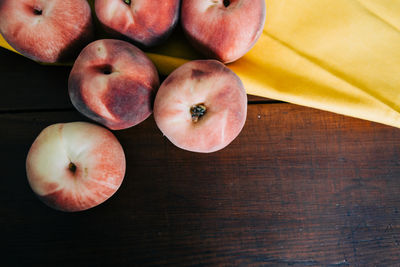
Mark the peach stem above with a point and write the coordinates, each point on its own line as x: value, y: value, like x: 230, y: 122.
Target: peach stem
x: 72, y: 167
x: 197, y: 111
x: 37, y: 11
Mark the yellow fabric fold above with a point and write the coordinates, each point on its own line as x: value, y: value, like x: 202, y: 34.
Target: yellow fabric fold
x: 341, y: 56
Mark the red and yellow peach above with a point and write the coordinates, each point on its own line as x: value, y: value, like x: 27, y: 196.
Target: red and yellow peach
x: 47, y: 31
x: 114, y: 83
x: 223, y: 29
x: 146, y: 22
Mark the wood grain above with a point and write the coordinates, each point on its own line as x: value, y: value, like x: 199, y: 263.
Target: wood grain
x: 29, y: 86
x: 298, y: 187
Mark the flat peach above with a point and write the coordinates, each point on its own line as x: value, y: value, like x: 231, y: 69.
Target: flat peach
x: 75, y: 166
x: 47, y: 31
x: 146, y: 22
x: 114, y: 83
x: 201, y: 106
x: 223, y: 29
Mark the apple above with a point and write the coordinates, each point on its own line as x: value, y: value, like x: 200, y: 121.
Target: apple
x: 146, y: 22
x: 201, y: 106
x: 46, y: 31
x: 114, y: 83
x: 223, y: 29
x: 75, y: 166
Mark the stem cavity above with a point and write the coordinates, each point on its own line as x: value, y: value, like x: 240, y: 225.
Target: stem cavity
x: 227, y: 3
x: 37, y: 11
x: 105, y: 69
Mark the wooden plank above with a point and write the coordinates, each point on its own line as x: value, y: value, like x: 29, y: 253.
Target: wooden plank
x: 253, y: 99
x: 298, y: 187
x: 26, y: 85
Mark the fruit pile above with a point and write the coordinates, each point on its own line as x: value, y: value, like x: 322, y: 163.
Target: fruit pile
x: 200, y: 107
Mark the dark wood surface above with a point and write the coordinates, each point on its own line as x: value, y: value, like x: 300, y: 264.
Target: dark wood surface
x: 298, y: 187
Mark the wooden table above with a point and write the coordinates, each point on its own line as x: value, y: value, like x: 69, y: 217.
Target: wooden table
x: 298, y: 187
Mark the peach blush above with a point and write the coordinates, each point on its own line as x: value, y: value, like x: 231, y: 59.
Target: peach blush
x: 75, y: 166
x: 201, y: 106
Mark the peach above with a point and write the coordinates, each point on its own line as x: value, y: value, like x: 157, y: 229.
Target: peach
x: 114, y: 83
x: 47, y: 31
x: 201, y: 106
x: 223, y: 29
x: 146, y: 22
x: 75, y: 166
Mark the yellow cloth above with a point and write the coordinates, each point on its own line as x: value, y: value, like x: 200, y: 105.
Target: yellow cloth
x: 341, y: 56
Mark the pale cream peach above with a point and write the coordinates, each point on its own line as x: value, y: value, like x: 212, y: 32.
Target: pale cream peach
x: 75, y: 166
